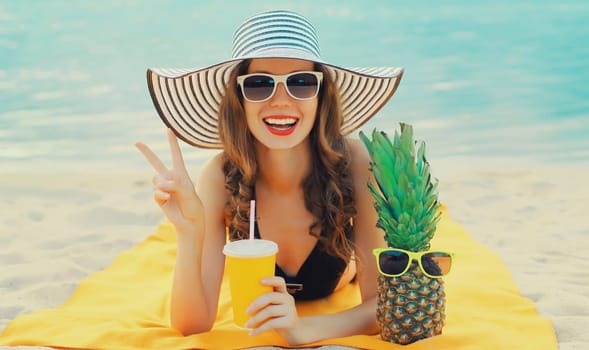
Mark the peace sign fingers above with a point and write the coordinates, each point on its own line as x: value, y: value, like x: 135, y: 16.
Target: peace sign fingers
x: 151, y: 157
x: 174, y: 191
x: 177, y: 160
x: 155, y: 161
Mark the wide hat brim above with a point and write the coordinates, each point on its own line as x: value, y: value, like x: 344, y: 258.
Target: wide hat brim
x: 187, y: 100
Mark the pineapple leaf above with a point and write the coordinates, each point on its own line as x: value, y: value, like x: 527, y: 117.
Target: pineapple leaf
x: 406, y: 197
x: 367, y: 143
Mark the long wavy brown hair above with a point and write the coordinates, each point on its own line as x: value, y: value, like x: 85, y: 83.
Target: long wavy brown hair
x: 328, y: 188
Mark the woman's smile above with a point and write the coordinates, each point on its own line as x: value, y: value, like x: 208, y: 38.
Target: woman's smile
x: 281, y: 125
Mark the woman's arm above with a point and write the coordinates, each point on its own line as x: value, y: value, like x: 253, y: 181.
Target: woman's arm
x: 366, y: 235
x: 200, y: 261
x: 198, y: 219
x: 360, y: 319
x: 277, y: 310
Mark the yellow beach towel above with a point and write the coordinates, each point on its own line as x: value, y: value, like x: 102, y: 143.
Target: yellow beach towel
x: 126, y: 307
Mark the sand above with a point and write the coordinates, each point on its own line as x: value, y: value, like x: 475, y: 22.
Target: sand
x: 58, y: 226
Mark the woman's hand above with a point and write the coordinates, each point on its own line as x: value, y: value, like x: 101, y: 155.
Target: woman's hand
x: 174, y: 191
x: 275, y: 310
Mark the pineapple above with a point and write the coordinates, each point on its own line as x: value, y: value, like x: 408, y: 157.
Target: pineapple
x: 411, y: 306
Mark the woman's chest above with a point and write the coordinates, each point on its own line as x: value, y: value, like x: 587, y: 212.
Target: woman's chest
x: 287, y: 222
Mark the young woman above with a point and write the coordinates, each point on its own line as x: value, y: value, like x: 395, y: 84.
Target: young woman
x: 279, y: 113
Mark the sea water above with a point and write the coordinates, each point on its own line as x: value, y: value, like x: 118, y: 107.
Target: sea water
x: 496, y: 79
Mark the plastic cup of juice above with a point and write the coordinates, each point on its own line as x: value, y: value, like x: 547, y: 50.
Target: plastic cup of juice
x: 248, y: 261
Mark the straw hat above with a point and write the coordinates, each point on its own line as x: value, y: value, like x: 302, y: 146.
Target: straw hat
x: 188, y: 100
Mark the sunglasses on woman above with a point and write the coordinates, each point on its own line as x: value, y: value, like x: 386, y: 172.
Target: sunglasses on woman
x: 394, y: 262
x: 260, y: 87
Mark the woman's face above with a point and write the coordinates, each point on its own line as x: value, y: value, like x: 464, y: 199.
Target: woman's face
x: 281, y: 122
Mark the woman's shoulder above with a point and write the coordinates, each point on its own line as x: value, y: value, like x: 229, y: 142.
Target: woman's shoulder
x: 359, y: 157
x: 210, y: 187
x: 359, y: 164
x: 211, y: 172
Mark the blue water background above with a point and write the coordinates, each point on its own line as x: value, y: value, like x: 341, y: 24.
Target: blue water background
x: 482, y: 79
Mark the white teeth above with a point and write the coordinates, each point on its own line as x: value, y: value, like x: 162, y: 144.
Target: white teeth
x: 281, y: 121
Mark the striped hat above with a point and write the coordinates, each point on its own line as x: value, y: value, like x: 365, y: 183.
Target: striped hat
x: 188, y: 100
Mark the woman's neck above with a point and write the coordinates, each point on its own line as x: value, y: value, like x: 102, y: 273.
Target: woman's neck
x: 283, y: 171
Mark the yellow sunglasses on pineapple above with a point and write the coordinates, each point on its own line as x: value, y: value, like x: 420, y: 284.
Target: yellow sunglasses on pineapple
x: 393, y: 262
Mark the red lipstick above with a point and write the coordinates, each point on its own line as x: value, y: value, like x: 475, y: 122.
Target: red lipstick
x: 281, y: 125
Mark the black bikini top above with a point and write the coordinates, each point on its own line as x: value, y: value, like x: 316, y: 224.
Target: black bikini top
x: 319, y: 274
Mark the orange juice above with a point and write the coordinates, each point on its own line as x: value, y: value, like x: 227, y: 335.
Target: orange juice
x: 248, y: 262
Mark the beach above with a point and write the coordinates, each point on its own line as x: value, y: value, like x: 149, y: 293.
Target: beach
x: 531, y: 217
x: 498, y: 95
x: 63, y: 224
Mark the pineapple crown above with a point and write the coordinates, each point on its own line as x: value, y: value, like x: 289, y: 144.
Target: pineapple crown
x: 406, y: 199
